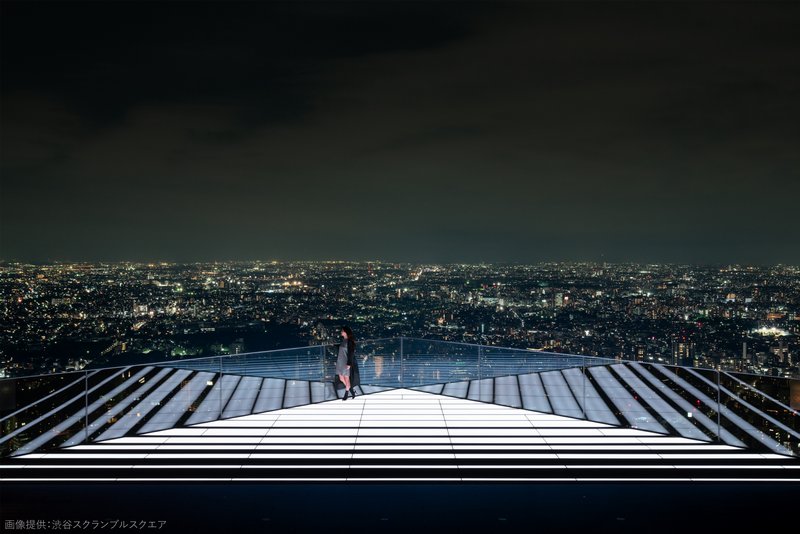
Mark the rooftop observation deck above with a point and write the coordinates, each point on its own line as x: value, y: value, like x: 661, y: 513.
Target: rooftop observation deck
x: 472, y: 436
x: 426, y: 410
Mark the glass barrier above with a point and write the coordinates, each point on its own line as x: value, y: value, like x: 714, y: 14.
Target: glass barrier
x: 47, y: 412
x: 42, y: 405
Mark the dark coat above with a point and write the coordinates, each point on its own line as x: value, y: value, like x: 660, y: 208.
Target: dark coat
x: 352, y: 361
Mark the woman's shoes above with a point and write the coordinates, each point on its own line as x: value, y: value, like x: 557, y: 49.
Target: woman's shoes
x: 349, y: 393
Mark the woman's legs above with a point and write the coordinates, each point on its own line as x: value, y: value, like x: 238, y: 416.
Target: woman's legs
x: 346, y: 381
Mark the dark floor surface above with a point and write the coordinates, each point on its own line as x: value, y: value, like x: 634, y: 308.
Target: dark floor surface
x: 350, y: 508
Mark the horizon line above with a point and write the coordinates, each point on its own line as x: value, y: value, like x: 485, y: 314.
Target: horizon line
x: 386, y: 261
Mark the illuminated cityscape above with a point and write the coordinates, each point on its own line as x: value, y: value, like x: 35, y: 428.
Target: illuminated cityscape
x: 563, y: 233
x: 70, y: 316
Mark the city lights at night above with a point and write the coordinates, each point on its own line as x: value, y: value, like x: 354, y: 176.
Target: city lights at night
x: 398, y: 266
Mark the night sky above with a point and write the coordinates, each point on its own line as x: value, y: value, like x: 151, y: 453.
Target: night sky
x: 401, y: 131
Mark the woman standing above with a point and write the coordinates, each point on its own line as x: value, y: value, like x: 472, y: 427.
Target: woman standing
x: 345, y: 362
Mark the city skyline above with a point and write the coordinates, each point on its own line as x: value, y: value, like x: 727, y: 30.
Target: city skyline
x: 70, y: 316
x: 439, y: 132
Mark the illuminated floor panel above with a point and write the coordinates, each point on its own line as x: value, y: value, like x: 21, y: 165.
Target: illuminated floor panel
x: 401, y: 435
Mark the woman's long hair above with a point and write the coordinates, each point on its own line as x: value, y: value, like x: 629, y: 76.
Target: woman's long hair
x: 351, y: 339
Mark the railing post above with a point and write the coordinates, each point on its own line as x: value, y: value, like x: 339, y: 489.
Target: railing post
x: 480, y: 357
x: 719, y: 407
x: 86, y: 406
x: 402, y: 364
x: 585, y: 378
x: 219, y: 388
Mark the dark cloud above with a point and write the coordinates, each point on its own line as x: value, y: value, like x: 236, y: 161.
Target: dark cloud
x: 419, y: 131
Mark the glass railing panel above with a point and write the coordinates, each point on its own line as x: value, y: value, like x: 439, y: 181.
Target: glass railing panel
x: 667, y: 408
x: 703, y: 395
x: 428, y: 361
x: 561, y: 398
x: 752, y: 415
x: 72, y: 423
x: 770, y: 394
x: 700, y: 392
x: 110, y: 401
x: 181, y: 397
x: 629, y: 405
x: 199, y: 398
x: 591, y: 400
x: 674, y: 404
x: 397, y: 362
x: 35, y: 406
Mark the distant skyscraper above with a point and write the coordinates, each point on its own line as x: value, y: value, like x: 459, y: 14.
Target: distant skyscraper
x: 682, y: 352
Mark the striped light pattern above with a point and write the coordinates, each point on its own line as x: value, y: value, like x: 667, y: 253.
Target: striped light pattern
x: 402, y: 435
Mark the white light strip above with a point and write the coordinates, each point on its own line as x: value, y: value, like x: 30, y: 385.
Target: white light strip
x: 732, y: 467
x: 101, y: 466
x: 238, y: 424
x: 400, y: 410
x: 327, y: 447
x: 300, y: 466
x: 521, y: 432
x: 570, y: 432
x: 87, y: 456
x: 360, y: 447
x: 400, y: 456
x: 401, y: 479
x: 596, y: 447
x: 101, y: 448
x: 620, y: 466
x: 410, y: 423
x: 266, y: 456
x: 503, y: 447
x: 393, y: 466
x: 520, y: 479
x: 283, y: 479
x: 68, y: 479
x: 590, y: 441
x: 600, y: 456
x: 196, y: 456
x: 216, y: 440
x: 242, y: 432
x: 500, y: 441
x: 467, y: 466
x: 402, y: 440
x: 409, y: 479
x: 265, y: 466
x: 734, y: 456
x: 174, y: 432
x: 140, y: 439
x: 403, y: 432
x: 732, y: 450
x: 172, y: 447
x: 325, y: 422
x: 745, y: 479
x: 314, y: 432
x: 404, y: 416
x: 502, y: 456
x: 669, y: 439
x: 292, y: 441
x: 489, y: 417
